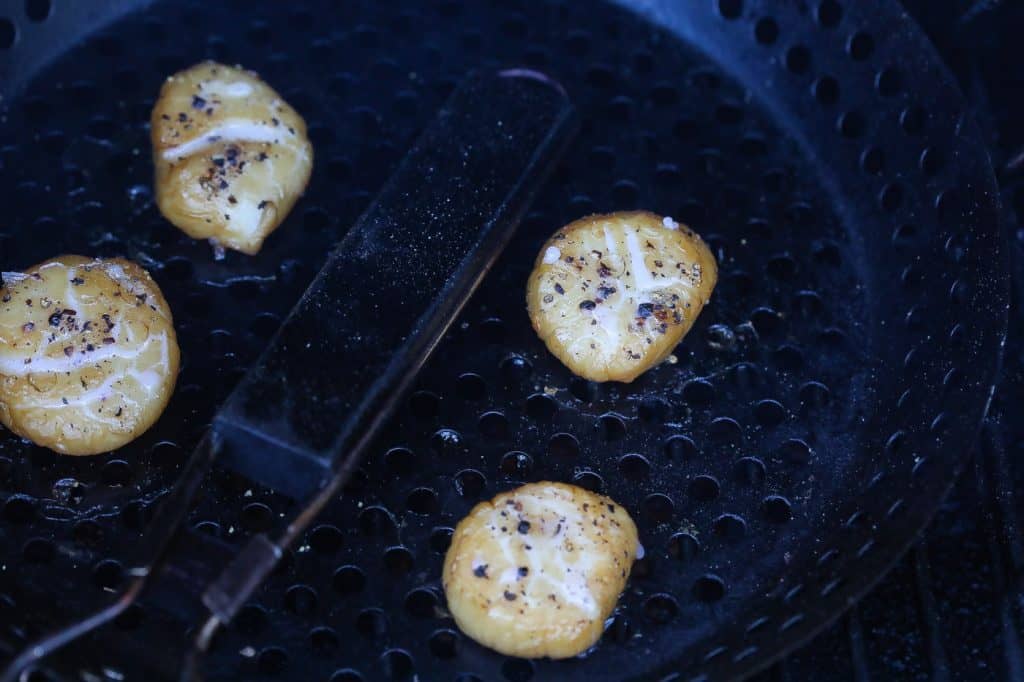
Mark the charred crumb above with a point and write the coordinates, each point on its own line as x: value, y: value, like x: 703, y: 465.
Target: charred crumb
x: 587, y: 305
x: 559, y: 289
x: 523, y: 571
x: 77, y: 281
x: 481, y: 571
x: 510, y: 596
x: 523, y: 527
x: 198, y: 102
x: 260, y: 206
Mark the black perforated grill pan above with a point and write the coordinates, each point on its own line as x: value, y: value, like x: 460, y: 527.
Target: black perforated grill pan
x: 796, y: 442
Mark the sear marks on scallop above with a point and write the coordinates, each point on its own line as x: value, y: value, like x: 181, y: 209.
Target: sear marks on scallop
x: 611, y: 295
x: 231, y: 156
x: 88, y: 353
x: 537, y: 570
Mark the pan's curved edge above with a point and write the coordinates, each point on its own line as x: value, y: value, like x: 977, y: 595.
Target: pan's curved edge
x: 902, y: 534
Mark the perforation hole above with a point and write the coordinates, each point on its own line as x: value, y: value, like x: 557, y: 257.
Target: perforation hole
x: 372, y: 624
x: 704, y: 488
x: 888, y: 82
x: 441, y: 539
x: 37, y: 10
x: 798, y: 59
x: 912, y: 119
x: 399, y: 461
x: 699, y: 392
x: 730, y: 527
x: 107, y: 574
x: 396, y: 664
x: 750, y: 471
x: 8, y: 33
x: 398, y: 560
x: 469, y: 483
x: 683, y: 546
x: 730, y: 9
x: 541, y: 407
x: 421, y: 603
x: 564, y: 446
x: 931, y: 161
x: 826, y: 90
x: 324, y: 641
x: 658, y: 508
x: 257, y: 517
x: 517, y: 670
x: 494, y: 425
x: 471, y: 386
x: 634, y: 467
x: 872, y: 160
x: 38, y: 551
x: 709, y: 588
x: 776, y: 509
x: 273, y: 661
x: 852, y: 124
x: 444, y: 643
x: 349, y: 580
x: 300, y: 600
x: 830, y: 13
x: 422, y: 501
x: 661, y: 608
x: 766, y: 31
x: 860, y: 46
x: 612, y: 426
x: 346, y: 675
x: 326, y: 539
x: 116, y: 473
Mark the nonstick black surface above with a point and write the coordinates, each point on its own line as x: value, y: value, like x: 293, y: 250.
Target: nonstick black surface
x: 808, y: 427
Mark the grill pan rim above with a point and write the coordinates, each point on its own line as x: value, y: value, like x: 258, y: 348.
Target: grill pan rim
x: 912, y: 33
x: 664, y: 14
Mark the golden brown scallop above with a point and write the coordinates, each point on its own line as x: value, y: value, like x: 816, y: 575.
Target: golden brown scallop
x: 231, y: 156
x: 88, y: 353
x: 537, y: 570
x: 612, y: 295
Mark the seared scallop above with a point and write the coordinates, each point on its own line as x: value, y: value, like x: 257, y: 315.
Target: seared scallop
x: 88, y: 354
x: 537, y: 570
x: 231, y: 156
x: 612, y: 295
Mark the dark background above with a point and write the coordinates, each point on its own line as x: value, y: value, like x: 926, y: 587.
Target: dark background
x: 953, y: 608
